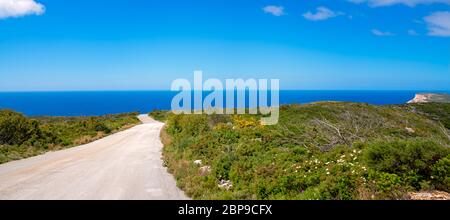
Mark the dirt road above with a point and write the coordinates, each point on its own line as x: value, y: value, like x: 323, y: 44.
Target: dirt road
x: 126, y: 165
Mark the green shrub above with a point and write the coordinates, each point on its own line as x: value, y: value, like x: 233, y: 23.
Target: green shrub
x: 159, y: 115
x: 191, y: 125
x: 387, y: 185
x: 15, y: 128
x: 402, y: 156
x: 99, y: 126
x: 413, y: 160
x: 441, y: 173
x: 223, y: 166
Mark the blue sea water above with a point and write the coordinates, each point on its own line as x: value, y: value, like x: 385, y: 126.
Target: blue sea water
x: 110, y: 102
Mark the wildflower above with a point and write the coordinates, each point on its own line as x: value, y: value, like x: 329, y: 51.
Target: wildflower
x: 328, y: 173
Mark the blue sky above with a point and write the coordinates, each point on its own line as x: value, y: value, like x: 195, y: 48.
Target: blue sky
x: 144, y: 45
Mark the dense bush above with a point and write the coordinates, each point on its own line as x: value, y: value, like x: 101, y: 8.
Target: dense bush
x: 15, y: 128
x: 441, y: 173
x: 159, y: 115
x: 413, y: 160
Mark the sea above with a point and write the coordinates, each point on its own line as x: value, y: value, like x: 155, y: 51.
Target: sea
x: 92, y: 103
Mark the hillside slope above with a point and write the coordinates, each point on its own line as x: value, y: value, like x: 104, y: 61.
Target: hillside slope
x: 327, y: 150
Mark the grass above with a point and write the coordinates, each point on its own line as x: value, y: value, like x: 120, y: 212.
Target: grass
x: 22, y: 137
x: 327, y: 150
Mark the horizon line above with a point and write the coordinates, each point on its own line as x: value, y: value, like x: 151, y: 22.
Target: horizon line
x: 168, y: 90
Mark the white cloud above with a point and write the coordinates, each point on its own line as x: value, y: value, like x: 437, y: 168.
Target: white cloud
x: 274, y: 10
x: 322, y: 13
x: 438, y: 24
x: 381, y: 33
x: 17, y: 8
x: 410, y: 3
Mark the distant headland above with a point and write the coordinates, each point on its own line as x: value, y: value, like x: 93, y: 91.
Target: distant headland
x: 431, y: 97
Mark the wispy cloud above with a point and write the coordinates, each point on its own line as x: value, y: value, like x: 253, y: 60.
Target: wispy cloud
x: 410, y: 3
x: 377, y: 32
x: 412, y: 32
x: 18, y: 8
x: 274, y: 10
x: 438, y: 24
x: 322, y: 13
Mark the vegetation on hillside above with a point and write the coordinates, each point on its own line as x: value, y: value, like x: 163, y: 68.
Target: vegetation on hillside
x: 327, y: 150
x: 159, y: 115
x: 436, y: 111
x: 22, y: 137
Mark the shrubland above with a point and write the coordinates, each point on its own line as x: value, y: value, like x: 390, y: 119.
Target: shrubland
x: 22, y: 137
x: 326, y: 150
x: 160, y: 115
